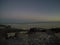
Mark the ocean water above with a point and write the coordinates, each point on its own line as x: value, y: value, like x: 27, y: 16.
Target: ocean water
x: 37, y: 25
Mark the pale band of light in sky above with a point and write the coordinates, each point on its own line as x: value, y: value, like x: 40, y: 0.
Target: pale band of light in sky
x: 35, y: 10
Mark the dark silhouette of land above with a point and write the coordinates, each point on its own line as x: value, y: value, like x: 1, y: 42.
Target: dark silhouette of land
x: 56, y: 30
x: 4, y: 30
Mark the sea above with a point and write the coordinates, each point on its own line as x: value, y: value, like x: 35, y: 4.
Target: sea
x: 35, y: 25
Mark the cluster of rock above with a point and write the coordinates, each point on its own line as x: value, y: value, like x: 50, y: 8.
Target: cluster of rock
x: 34, y: 36
x: 43, y: 38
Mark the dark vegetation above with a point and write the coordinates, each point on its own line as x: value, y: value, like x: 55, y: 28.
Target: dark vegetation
x: 36, y: 36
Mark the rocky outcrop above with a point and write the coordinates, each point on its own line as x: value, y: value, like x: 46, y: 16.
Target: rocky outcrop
x: 33, y: 30
x: 43, y: 38
x: 56, y: 30
x: 34, y: 36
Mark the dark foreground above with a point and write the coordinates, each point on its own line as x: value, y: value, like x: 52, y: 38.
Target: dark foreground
x: 33, y: 36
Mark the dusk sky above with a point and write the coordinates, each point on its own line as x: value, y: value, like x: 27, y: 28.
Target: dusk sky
x: 29, y: 10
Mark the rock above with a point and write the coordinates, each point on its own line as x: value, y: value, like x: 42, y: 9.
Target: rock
x: 43, y: 38
x: 33, y: 30
x: 55, y: 30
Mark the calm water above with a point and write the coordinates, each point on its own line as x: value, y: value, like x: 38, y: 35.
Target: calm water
x: 39, y: 25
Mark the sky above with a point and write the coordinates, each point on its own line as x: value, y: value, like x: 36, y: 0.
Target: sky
x: 29, y: 10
